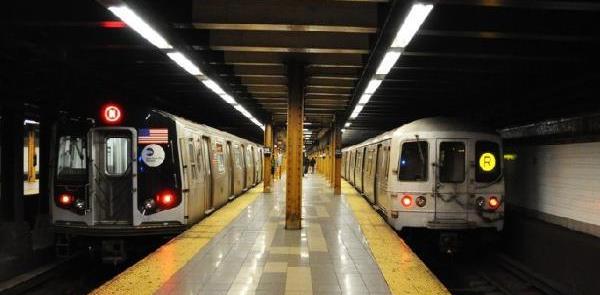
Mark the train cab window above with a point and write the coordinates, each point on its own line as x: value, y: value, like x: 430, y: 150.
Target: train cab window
x: 72, y: 163
x: 413, y: 161
x: 117, y: 155
x: 452, y: 162
x: 487, y: 161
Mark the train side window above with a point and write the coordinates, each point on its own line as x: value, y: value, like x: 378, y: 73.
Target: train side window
x: 117, y: 155
x: 220, y: 158
x: 487, y: 161
x: 413, y: 161
x: 452, y: 162
x: 192, y: 158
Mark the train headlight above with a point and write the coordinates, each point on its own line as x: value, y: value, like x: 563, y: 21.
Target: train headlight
x: 406, y: 201
x: 421, y: 201
x: 493, y: 203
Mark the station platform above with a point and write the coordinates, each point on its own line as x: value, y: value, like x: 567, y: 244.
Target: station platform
x: 344, y: 247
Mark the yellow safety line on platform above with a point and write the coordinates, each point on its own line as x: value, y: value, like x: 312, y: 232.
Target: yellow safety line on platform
x: 403, y: 271
x: 149, y: 274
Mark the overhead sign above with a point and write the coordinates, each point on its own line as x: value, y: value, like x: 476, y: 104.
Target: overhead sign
x: 487, y: 162
x: 153, y: 155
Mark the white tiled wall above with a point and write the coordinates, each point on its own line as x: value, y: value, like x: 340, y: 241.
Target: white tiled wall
x: 559, y: 180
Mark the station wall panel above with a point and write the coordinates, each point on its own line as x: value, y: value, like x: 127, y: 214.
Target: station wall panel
x: 558, y: 183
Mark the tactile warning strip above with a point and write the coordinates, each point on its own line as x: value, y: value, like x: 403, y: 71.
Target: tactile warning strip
x: 403, y: 271
x: 149, y: 274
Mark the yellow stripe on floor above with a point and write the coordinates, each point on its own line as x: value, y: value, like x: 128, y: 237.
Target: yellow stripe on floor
x: 403, y: 271
x: 150, y: 273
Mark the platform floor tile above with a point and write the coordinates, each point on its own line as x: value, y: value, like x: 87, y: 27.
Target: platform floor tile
x: 256, y: 255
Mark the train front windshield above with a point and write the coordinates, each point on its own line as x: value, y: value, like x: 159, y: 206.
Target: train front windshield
x: 71, y: 159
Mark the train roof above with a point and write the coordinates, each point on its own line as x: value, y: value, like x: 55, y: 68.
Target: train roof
x: 204, y: 127
x: 438, y: 124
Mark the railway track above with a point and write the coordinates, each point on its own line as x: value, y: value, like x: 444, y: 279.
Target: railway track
x: 481, y: 270
x: 80, y: 273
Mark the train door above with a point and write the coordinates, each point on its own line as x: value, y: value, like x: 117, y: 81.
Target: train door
x: 228, y: 171
x: 231, y: 168
x: 369, y: 174
x: 381, y: 178
x: 249, y: 167
x: 113, y: 183
x: 257, y: 166
x: 243, y: 159
x: 358, y: 171
x: 220, y: 188
x: 191, y: 188
x: 238, y: 171
x: 450, y: 187
x: 207, y: 175
x: 343, y: 165
x: 351, y: 168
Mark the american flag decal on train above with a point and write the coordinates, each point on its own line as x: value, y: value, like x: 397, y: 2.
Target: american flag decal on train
x: 153, y: 135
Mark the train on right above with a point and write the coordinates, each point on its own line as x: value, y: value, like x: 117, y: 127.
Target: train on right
x: 438, y: 174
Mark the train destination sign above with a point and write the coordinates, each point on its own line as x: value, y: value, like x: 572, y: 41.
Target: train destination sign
x: 487, y: 162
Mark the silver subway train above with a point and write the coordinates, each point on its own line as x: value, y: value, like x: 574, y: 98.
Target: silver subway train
x: 151, y: 173
x: 434, y: 173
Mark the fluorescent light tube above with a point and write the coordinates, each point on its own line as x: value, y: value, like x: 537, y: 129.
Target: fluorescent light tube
x: 31, y: 122
x: 347, y: 124
x: 255, y: 121
x: 135, y: 22
x: 356, y: 111
x: 242, y: 110
x: 413, y: 21
x: 388, y: 61
x: 364, y: 99
x: 228, y: 98
x: 212, y: 85
x: 373, y: 85
x: 185, y: 63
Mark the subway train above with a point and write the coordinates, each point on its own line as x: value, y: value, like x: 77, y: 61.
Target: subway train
x: 435, y: 173
x: 152, y: 173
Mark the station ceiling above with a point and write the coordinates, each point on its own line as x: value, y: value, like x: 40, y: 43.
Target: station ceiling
x: 502, y: 62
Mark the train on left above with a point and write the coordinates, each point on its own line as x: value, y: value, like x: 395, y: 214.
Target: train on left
x: 149, y: 173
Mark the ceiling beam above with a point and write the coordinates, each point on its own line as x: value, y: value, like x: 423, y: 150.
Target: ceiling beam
x: 291, y: 12
x: 285, y: 28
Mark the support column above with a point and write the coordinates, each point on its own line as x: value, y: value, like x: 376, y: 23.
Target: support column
x: 11, y: 160
x: 332, y: 155
x: 295, y: 118
x: 31, y: 155
x: 48, y: 117
x: 267, y: 177
x: 337, y: 175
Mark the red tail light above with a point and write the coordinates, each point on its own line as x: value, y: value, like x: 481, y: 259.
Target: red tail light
x: 406, y: 201
x: 166, y: 199
x: 493, y: 203
x: 65, y: 200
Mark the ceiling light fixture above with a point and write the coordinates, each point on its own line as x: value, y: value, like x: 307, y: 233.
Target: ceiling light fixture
x: 413, y: 21
x: 135, y: 22
x: 410, y: 26
x: 184, y: 63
